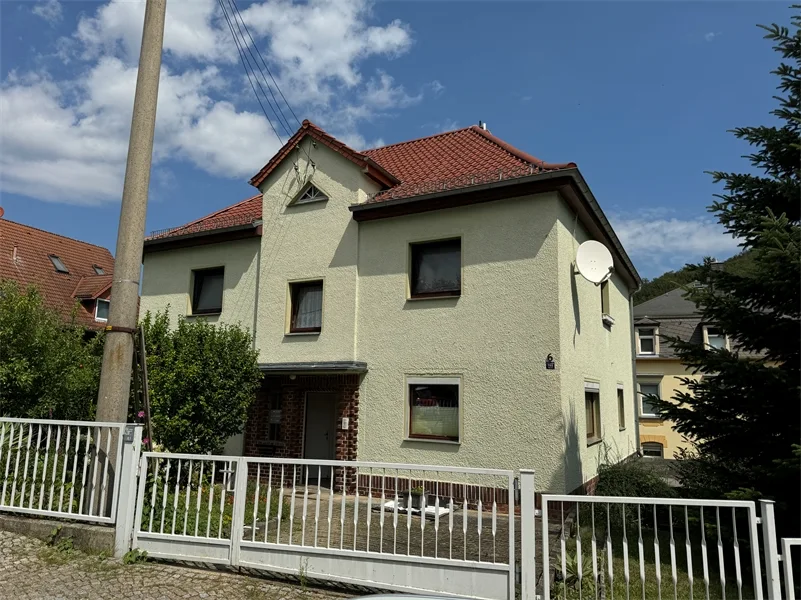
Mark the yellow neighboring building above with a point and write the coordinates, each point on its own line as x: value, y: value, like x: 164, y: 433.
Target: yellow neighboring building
x: 659, y: 370
x: 417, y: 303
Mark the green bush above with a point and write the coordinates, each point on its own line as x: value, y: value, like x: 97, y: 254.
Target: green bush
x: 202, y: 379
x: 633, y: 478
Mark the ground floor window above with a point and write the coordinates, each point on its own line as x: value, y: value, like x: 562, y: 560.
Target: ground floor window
x: 433, y: 405
x: 654, y: 449
x: 274, y: 416
x: 592, y: 404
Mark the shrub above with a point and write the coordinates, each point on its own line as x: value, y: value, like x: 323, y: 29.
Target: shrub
x: 633, y: 478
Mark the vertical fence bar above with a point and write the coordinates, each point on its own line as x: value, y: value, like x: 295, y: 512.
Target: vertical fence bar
x: 409, y: 514
x: 35, y: 463
x: 280, y: 506
x: 355, y: 509
x: 704, y: 557
x: 626, y: 575
x: 510, y: 484
x: 342, y: 513
x: 94, y: 471
x: 305, y: 504
x: 106, y: 468
x: 641, y: 550
x: 609, y: 557
x: 154, y: 485
x: 164, y: 495
x: 317, y: 504
x: 226, y: 474
x: 176, y: 494
x: 369, y: 503
x: 330, y: 506
x: 292, y: 502
x: 25, y: 469
x: 2, y: 445
x: 44, y: 468
x: 75, y: 465
x: 199, y: 494
x: 382, y: 509
x: 789, y: 583
x: 736, y: 548
x: 771, y: 550
x: 64, y: 468
x: 16, y: 465
x: 83, y: 472
x: 267, y: 509
x: 528, y: 547
x: 529, y: 585
x: 255, y: 504
x: 657, y: 561
x: 54, y: 469
x: 188, y: 499
x: 673, y: 572
x: 127, y: 521
x: 721, y: 562
x: 211, y: 498
x: 8, y: 459
x: 395, y: 518
x: 594, y: 551
x: 688, y: 548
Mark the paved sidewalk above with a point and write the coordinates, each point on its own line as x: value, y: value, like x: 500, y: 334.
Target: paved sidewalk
x: 30, y: 569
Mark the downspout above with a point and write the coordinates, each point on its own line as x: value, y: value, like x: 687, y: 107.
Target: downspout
x: 634, y: 372
x: 256, y: 294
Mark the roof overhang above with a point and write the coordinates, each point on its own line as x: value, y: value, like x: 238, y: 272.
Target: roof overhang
x: 324, y: 367
x: 200, y: 238
x: 569, y: 183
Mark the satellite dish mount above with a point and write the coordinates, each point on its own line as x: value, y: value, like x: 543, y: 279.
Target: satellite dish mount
x: 594, y: 262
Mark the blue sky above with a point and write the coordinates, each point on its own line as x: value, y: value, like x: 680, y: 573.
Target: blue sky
x: 639, y: 94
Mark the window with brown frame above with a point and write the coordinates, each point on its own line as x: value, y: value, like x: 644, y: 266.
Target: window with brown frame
x: 207, y: 292
x: 436, y: 269
x: 434, y: 408
x: 592, y: 403
x: 307, y: 307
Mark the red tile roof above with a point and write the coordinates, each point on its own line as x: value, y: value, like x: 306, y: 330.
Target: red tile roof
x: 453, y: 159
x: 450, y: 160
x: 24, y: 257
x: 241, y: 213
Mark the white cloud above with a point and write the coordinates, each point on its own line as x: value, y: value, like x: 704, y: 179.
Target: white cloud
x: 69, y: 137
x: 712, y: 35
x: 49, y: 10
x: 657, y: 242
x: 440, y: 126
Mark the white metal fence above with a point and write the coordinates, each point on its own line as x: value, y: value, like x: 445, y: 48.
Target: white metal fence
x: 389, y: 526
x: 64, y: 469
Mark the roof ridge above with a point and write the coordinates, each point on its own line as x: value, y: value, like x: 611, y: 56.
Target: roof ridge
x: 420, y: 139
x: 66, y: 237
x: 516, y: 152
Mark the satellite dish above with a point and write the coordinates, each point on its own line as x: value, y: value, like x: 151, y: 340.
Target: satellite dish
x: 594, y: 262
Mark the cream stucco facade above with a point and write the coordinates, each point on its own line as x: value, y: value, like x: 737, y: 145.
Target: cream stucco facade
x: 520, y: 302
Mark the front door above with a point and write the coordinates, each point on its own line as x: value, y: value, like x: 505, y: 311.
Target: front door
x: 320, y: 425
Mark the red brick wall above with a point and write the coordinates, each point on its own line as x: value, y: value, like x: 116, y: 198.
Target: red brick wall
x: 293, y: 418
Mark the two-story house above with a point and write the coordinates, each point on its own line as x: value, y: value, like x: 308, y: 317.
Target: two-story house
x: 417, y: 303
x: 73, y: 277
x: 659, y: 370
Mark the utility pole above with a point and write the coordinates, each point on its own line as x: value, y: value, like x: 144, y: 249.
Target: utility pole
x: 115, y: 376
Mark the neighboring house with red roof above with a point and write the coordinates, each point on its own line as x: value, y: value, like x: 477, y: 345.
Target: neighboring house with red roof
x: 416, y: 303
x: 73, y: 277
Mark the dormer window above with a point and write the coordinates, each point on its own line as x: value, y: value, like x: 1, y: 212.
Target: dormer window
x: 647, y: 341
x: 715, y: 338
x: 98, y: 270
x: 310, y: 194
x: 60, y: 266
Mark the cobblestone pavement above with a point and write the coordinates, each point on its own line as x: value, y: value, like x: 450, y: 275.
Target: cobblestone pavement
x: 31, y: 569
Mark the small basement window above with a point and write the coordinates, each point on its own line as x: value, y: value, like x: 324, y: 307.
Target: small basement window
x: 307, y: 307
x: 58, y: 264
x: 207, y: 292
x: 436, y: 269
x: 101, y: 310
x: 434, y: 408
x: 653, y: 449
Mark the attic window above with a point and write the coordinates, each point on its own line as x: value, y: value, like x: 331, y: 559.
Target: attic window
x: 311, y: 194
x: 60, y: 266
x: 98, y: 270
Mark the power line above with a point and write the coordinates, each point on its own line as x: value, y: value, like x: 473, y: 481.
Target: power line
x: 276, y: 108
x: 245, y: 65
x: 269, y: 72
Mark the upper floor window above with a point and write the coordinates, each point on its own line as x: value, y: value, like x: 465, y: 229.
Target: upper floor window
x: 207, y: 292
x: 307, y: 307
x: 101, y: 310
x: 434, y: 405
x: 606, y: 304
x: 436, y: 269
x: 98, y: 270
x: 715, y: 338
x: 621, y: 409
x: 58, y: 264
x: 647, y: 341
x: 311, y: 194
x: 648, y: 388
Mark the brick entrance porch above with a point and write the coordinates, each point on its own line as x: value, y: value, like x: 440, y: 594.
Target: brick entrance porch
x: 277, y: 418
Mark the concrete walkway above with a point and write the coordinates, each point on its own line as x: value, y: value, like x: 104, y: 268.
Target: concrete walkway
x: 31, y: 569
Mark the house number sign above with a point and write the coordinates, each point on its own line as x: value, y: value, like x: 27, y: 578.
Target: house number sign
x: 549, y: 362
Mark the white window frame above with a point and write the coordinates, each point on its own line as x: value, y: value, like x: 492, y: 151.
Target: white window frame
x: 606, y: 304
x: 621, y: 389
x: 660, y: 444
x: 655, y: 337
x: 407, y: 407
x: 97, y: 303
x: 648, y: 381
x: 706, y: 337
x: 594, y: 387
x: 323, y: 197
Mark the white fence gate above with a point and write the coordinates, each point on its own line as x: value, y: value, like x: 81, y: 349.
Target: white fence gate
x: 388, y: 526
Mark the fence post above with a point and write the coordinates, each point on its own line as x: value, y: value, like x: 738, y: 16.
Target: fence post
x: 528, y: 536
x: 771, y: 549
x: 240, y: 500
x: 126, y: 504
